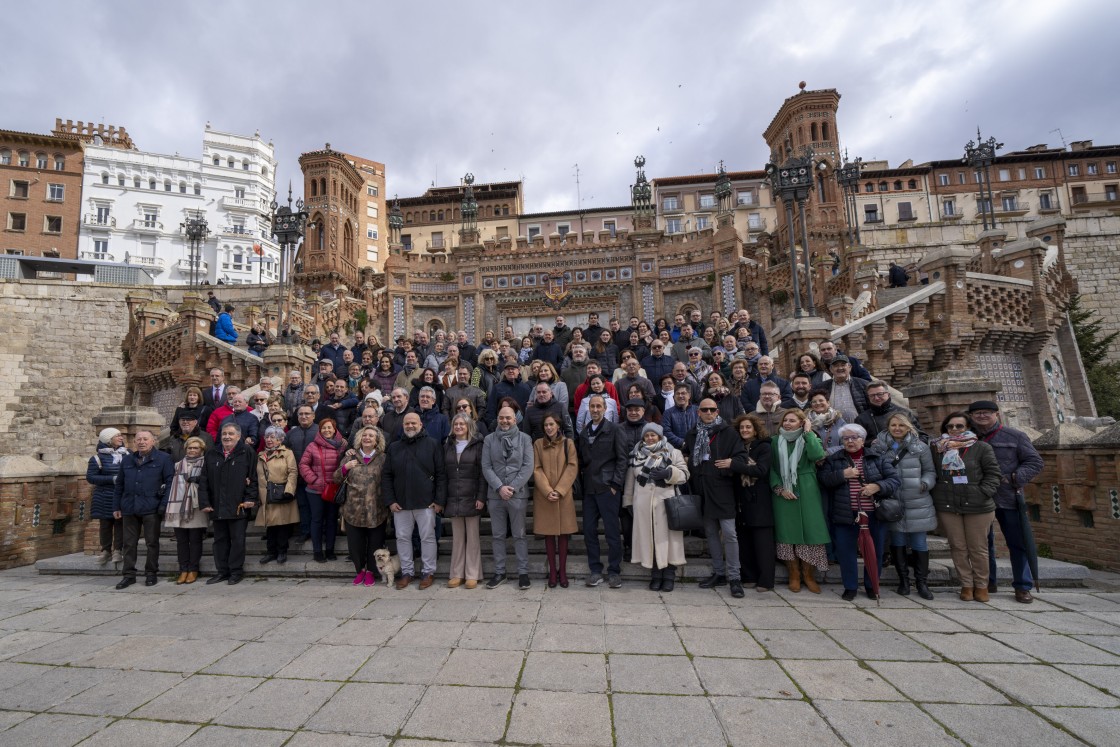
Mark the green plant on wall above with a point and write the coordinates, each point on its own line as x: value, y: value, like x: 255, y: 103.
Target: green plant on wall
x: 447, y: 277
x: 361, y: 320
x: 1104, y: 378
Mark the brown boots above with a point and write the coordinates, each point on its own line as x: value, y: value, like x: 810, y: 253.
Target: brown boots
x: 794, y: 575
x: 808, y: 577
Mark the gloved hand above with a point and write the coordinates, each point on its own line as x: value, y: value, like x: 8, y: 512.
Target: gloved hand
x: 289, y: 497
x: 661, y: 473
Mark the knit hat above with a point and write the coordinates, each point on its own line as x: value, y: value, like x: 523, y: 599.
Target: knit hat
x: 652, y: 428
x: 107, y: 435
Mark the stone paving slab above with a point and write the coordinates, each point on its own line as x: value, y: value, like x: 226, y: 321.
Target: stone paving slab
x: 318, y: 662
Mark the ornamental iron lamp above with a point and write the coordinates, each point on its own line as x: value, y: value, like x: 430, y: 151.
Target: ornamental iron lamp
x: 847, y: 178
x: 196, y: 231
x: 723, y: 190
x: 641, y: 194
x: 468, y: 209
x: 980, y: 154
x: 288, y: 227
x: 791, y: 182
x: 396, y: 221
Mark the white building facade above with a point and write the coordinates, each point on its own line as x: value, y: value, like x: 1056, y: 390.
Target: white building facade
x: 135, y: 204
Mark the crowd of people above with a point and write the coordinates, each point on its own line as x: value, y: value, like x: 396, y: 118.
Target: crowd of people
x: 797, y: 468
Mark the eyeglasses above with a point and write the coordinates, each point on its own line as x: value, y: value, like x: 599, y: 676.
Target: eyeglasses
x: 709, y: 409
x: 878, y: 395
x: 957, y: 427
x: 852, y: 438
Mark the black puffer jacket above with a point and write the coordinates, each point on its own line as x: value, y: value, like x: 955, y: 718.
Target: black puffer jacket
x: 465, y: 483
x: 228, y: 481
x: 834, y: 486
x: 756, y: 504
x: 101, y: 473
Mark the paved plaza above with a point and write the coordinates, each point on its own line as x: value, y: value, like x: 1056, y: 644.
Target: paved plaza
x: 314, y: 662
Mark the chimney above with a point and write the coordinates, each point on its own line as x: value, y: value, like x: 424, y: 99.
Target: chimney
x: 1080, y: 145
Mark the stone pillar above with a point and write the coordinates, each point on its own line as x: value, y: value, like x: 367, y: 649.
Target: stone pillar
x: 128, y: 420
x: 934, y: 395
x: 791, y: 337
x: 280, y: 360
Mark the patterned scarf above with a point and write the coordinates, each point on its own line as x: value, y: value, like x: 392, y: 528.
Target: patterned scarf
x: 790, y: 457
x: 645, y: 458
x: 950, y: 446
x: 702, y: 449
x: 184, y: 491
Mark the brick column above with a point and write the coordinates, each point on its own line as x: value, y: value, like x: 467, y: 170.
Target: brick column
x: 791, y: 337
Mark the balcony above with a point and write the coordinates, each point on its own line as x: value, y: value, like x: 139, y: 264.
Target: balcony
x: 143, y: 225
x: 237, y: 231
x: 95, y: 221
x: 1014, y: 209
x: 184, y: 266
x: 98, y: 256
x: 757, y: 226
x: 243, y: 204
x: 1106, y: 200
x: 135, y: 259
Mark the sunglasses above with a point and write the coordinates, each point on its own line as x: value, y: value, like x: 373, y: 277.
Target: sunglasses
x: 463, y: 407
x: 693, y: 355
x: 957, y: 427
x: 709, y: 409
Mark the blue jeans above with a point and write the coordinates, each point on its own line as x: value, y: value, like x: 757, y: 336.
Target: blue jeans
x: 917, y: 541
x: 603, y: 506
x: 1010, y: 524
x: 324, y: 522
x: 847, y: 553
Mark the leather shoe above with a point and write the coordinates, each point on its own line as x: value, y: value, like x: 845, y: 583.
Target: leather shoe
x: 151, y: 580
x: 848, y: 595
x: 736, y: 588
x: 234, y: 580
x: 182, y: 579
x: 713, y: 580
x: 266, y: 559
x: 125, y: 582
x: 426, y: 581
x: 282, y: 558
x: 1023, y: 596
x: 216, y: 579
x: 403, y: 582
x: 192, y: 576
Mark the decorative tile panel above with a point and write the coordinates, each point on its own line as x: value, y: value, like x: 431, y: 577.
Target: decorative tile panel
x: 648, y: 311
x: 727, y: 293
x: 398, y: 317
x: 468, y: 317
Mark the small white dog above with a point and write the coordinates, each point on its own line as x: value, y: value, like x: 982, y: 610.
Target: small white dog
x: 387, y: 565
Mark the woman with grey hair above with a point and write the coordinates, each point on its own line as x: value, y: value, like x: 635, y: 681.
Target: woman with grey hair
x: 466, y: 497
x: 276, y: 484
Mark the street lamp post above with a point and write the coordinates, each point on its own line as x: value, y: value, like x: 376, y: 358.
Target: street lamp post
x: 287, y: 226
x: 791, y: 182
x: 847, y: 177
x: 196, y: 231
x: 980, y: 154
x: 396, y: 222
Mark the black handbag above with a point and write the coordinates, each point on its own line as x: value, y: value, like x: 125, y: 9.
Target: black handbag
x: 275, y: 495
x: 889, y: 510
x: 684, y: 512
x: 342, y: 494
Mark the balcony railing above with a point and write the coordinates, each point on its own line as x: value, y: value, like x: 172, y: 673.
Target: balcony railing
x: 97, y: 221
x: 237, y: 230
x: 184, y: 265
x: 135, y: 259
x: 144, y: 225
x: 757, y: 226
x: 99, y: 256
x: 251, y: 204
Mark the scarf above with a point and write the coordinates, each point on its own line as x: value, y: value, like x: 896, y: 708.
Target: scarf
x: 184, y: 491
x: 718, y: 393
x: 952, y: 456
x: 823, y: 420
x: 510, y: 439
x: 789, y: 458
x: 116, y: 454
x: 645, y: 458
x: 702, y: 448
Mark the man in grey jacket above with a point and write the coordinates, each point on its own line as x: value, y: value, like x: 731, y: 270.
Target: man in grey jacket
x: 507, y: 465
x: 1020, y: 463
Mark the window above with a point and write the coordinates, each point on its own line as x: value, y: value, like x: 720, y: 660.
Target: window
x: 533, y: 231
x: 754, y: 221
x: 41, y: 160
x: 56, y: 192
x: 609, y: 225
x: 152, y: 184
x: 1110, y: 192
x: 166, y: 185
x: 671, y: 203
x: 406, y: 241
x: 1079, y: 196
x: 1074, y: 169
x: 869, y: 187
x: 702, y: 222
x: 151, y: 217
x: 871, y: 214
x: 1010, y: 204
x: 5, y: 158
x: 59, y: 163
x: 371, y: 190
x: 264, y: 171
x: 961, y: 178
x: 563, y: 228
x: 17, y: 222
x: 882, y: 186
x: 744, y: 198
x: 238, y: 226
x: 239, y: 193
x: 20, y: 190
x: 1005, y: 175
x: 1045, y: 201
x: 244, y: 165
x: 948, y: 207
x: 977, y: 177
x: 371, y: 210
x: 136, y: 182
x: 52, y: 224
x: 505, y: 209
x: 102, y: 215
x: 1110, y: 167
x: 1091, y: 169
x: 912, y: 184
x: 437, y: 238
x: 673, y: 225
x: 24, y: 158
x: 898, y: 185
x: 120, y: 180
x: 943, y: 180
x: 198, y: 189
x: 1039, y: 172
x: 217, y: 161
x: 229, y: 162
x: 905, y: 211
x: 983, y: 205
x: 237, y: 263
x: 100, y: 248
x: 501, y: 232
x: 1022, y: 174
x: 371, y: 232
x: 441, y: 215
x: 707, y: 202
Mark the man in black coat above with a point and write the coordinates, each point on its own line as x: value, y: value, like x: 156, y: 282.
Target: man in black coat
x: 715, y: 454
x: 592, y: 331
x: 765, y: 373
x: 510, y: 385
x: 140, y: 500
x: 414, y: 488
x: 602, y: 497
x: 214, y: 396
x: 175, y: 446
x: 879, y: 410
x: 628, y: 433
x: 548, y: 350
x: 545, y: 404
x: 228, y: 492
x: 298, y: 439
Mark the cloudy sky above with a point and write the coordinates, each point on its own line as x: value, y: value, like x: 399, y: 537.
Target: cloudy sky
x: 528, y: 90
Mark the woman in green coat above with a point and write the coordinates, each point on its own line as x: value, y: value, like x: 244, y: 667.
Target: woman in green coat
x: 800, y: 528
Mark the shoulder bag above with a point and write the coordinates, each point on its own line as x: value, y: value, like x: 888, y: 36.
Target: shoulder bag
x: 684, y: 512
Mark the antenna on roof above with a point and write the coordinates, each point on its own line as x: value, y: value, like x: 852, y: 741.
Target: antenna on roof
x: 1063, y: 137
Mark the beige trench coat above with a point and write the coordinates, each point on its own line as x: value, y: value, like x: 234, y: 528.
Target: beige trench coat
x: 555, y: 467
x: 653, y: 540
x: 281, y: 467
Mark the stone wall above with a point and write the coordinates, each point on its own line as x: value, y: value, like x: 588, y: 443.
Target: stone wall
x: 44, y: 510
x: 1093, y: 255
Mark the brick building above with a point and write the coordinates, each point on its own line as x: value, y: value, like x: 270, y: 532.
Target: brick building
x: 40, y: 193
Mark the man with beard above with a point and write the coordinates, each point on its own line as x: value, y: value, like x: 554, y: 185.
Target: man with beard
x: 462, y: 389
x: 293, y: 393
x: 414, y: 487
x: 544, y: 404
x: 874, y: 418
x: 511, y: 386
x: 801, y: 384
x: 507, y: 465
x: 765, y: 373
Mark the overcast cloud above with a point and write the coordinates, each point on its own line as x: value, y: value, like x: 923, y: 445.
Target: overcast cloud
x: 529, y: 89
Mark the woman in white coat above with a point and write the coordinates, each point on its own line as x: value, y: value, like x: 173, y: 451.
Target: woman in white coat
x: 655, y: 468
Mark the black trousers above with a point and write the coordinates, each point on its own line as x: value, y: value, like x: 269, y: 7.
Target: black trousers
x: 757, y: 554
x: 133, y: 525
x: 189, y: 544
x: 229, y: 546
x: 112, y: 534
x: 363, y: 542
x: 276, y: 538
